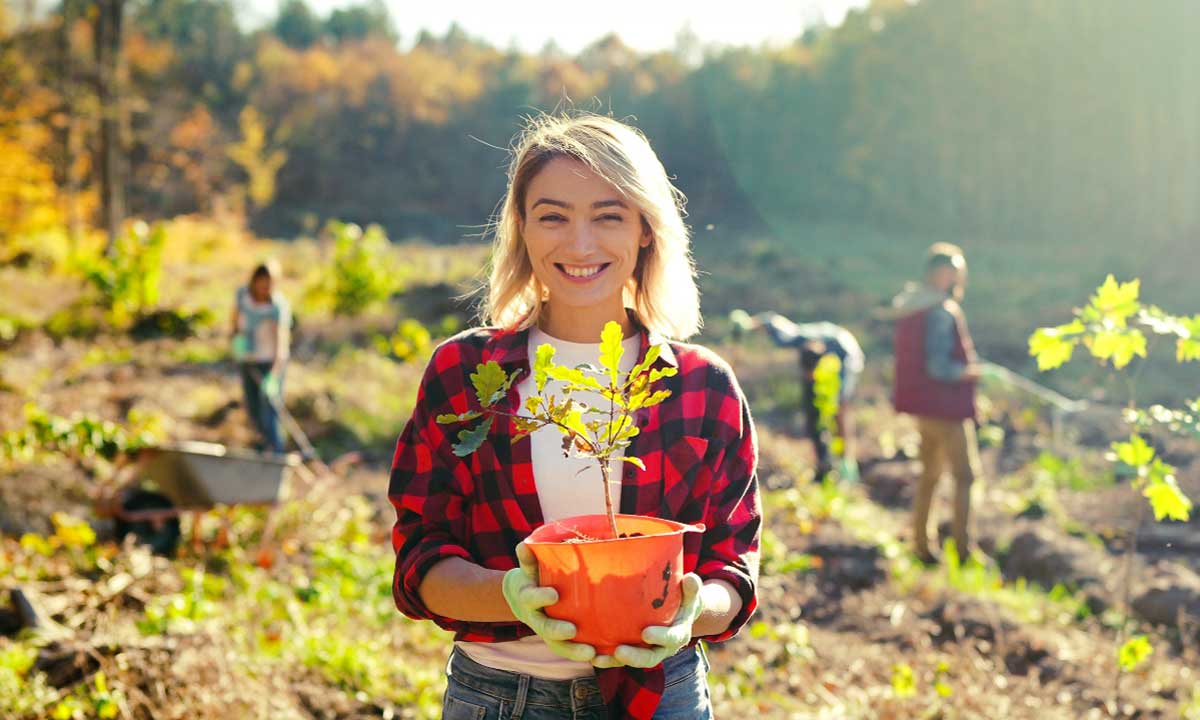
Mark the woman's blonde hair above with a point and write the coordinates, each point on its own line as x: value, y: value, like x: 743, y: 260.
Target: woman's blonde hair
x: 662, y: 291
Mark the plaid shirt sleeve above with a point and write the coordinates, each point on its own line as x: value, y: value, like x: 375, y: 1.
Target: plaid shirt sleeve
x: 729, y: 547
x: 427, y: 491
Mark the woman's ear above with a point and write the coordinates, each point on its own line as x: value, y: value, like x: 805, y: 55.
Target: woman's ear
x: 647, y: 234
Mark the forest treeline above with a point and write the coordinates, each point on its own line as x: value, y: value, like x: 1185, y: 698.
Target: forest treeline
x: 1004, y: 118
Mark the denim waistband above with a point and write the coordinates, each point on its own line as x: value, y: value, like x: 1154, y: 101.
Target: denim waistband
x: 577, y: 694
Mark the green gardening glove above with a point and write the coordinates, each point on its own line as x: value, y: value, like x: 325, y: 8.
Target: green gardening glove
x: 270, y: 385
x: 526, y: 599
x: 848, y: 469
x: 666, y: 641
x: 239, y: 347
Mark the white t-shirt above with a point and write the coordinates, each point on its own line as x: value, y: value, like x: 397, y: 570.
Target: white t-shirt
x: 566, y: 486
x: 259, y: 322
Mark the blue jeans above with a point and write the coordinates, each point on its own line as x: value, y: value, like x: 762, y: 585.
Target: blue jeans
x: 259, y: 408
x: 477, y: 692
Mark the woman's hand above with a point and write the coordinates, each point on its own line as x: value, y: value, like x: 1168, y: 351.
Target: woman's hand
x: 666, y: 640
x: 526, y: 599
x: 272, y: 386
x: 238, y: 347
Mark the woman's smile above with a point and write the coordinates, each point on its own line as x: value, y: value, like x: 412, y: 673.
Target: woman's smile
x: 581, y: 273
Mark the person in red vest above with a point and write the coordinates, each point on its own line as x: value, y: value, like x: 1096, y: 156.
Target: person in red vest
x: 936, y: 373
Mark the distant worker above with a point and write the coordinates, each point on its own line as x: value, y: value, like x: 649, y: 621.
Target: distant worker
x: 261, y: 331
x: 936, y: 373
x: 815, y: 341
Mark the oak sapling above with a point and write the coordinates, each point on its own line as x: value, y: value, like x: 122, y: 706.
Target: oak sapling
x: 1115, y: 327
x: 595, y: 432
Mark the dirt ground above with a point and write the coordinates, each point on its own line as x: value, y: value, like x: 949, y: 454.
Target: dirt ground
x: 854, y: 632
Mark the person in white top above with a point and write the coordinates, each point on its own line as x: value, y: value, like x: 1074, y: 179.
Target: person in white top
x: 261, y: 336
x: 590, y: 232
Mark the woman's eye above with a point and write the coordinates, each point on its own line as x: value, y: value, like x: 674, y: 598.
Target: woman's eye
x: 611, y: 218
x: 552, y: 218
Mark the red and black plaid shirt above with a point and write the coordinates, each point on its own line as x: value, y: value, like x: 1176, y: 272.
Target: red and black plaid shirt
x: 700, y: 452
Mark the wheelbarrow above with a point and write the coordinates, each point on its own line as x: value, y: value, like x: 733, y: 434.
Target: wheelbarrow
x: 191, y: 477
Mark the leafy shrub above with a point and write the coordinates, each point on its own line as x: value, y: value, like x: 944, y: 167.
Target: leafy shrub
x: 361, y: 275
x: 81, y: 437
x: 127, y: 281
x: 410, y: 341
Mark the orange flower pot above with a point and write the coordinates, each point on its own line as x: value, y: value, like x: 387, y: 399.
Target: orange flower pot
x: 611, y: 589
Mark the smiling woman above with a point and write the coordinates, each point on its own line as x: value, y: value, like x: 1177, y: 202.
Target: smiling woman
x: 589, y: 200
x: 590, y: 232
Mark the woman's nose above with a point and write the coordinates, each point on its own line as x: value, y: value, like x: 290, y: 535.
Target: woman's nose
x: 582, y: 237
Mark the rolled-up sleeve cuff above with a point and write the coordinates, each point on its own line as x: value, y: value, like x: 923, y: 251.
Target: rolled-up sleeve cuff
x: 743, y: 585
x: 410, y: 572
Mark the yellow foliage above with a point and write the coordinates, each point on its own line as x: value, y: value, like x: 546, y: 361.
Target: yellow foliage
x: 195, y: 131
x: 146, y: 56
x: 252, y: 156
x: 28, y: 195
x: 195, y: 238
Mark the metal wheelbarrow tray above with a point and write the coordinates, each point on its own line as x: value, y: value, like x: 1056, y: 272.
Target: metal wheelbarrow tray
x: 201, y: 475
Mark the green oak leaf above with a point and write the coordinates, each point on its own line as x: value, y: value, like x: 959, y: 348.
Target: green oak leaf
x: 611, y: 350
x: 524, y: 427
x: 622, y: 428
x: 447, y: 418
x: 1116, y: 302
x: 1166, y: 499
x: 1052, y: 347
x: 573, y: 421
x: 1135, y: 453
x: 652, y: 355
x: 575, y: 378
x: 656, y: 398
x: 470, y: 440
x: 1118, y: 345
x: 635, y: 461
x: 656, y: 375
x: 543, y: 361
x: 489, y: 381
x: 1187, y: 348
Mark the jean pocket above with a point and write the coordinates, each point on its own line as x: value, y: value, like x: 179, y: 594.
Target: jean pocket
x: 456, y: 709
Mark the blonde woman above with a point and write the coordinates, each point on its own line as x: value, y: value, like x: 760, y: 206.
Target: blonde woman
x: 590, y: 231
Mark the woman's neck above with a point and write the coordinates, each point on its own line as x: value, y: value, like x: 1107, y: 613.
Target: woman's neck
x: 582, y: 324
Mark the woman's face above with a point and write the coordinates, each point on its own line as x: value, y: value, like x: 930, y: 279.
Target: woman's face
x: 260, y: 288
x: 582, y: 236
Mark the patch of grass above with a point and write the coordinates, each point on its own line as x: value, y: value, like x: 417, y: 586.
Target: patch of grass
x: 204, y: 400
x: 99, y: 355
x: 980, y: 577
x: 199, y: 352
x: 973, y: 576
x: 23, y: 691
x: 371, y: 396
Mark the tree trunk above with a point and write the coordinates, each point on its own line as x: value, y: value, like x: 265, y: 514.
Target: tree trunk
x: 69, y: 132
x: 108, y: 91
